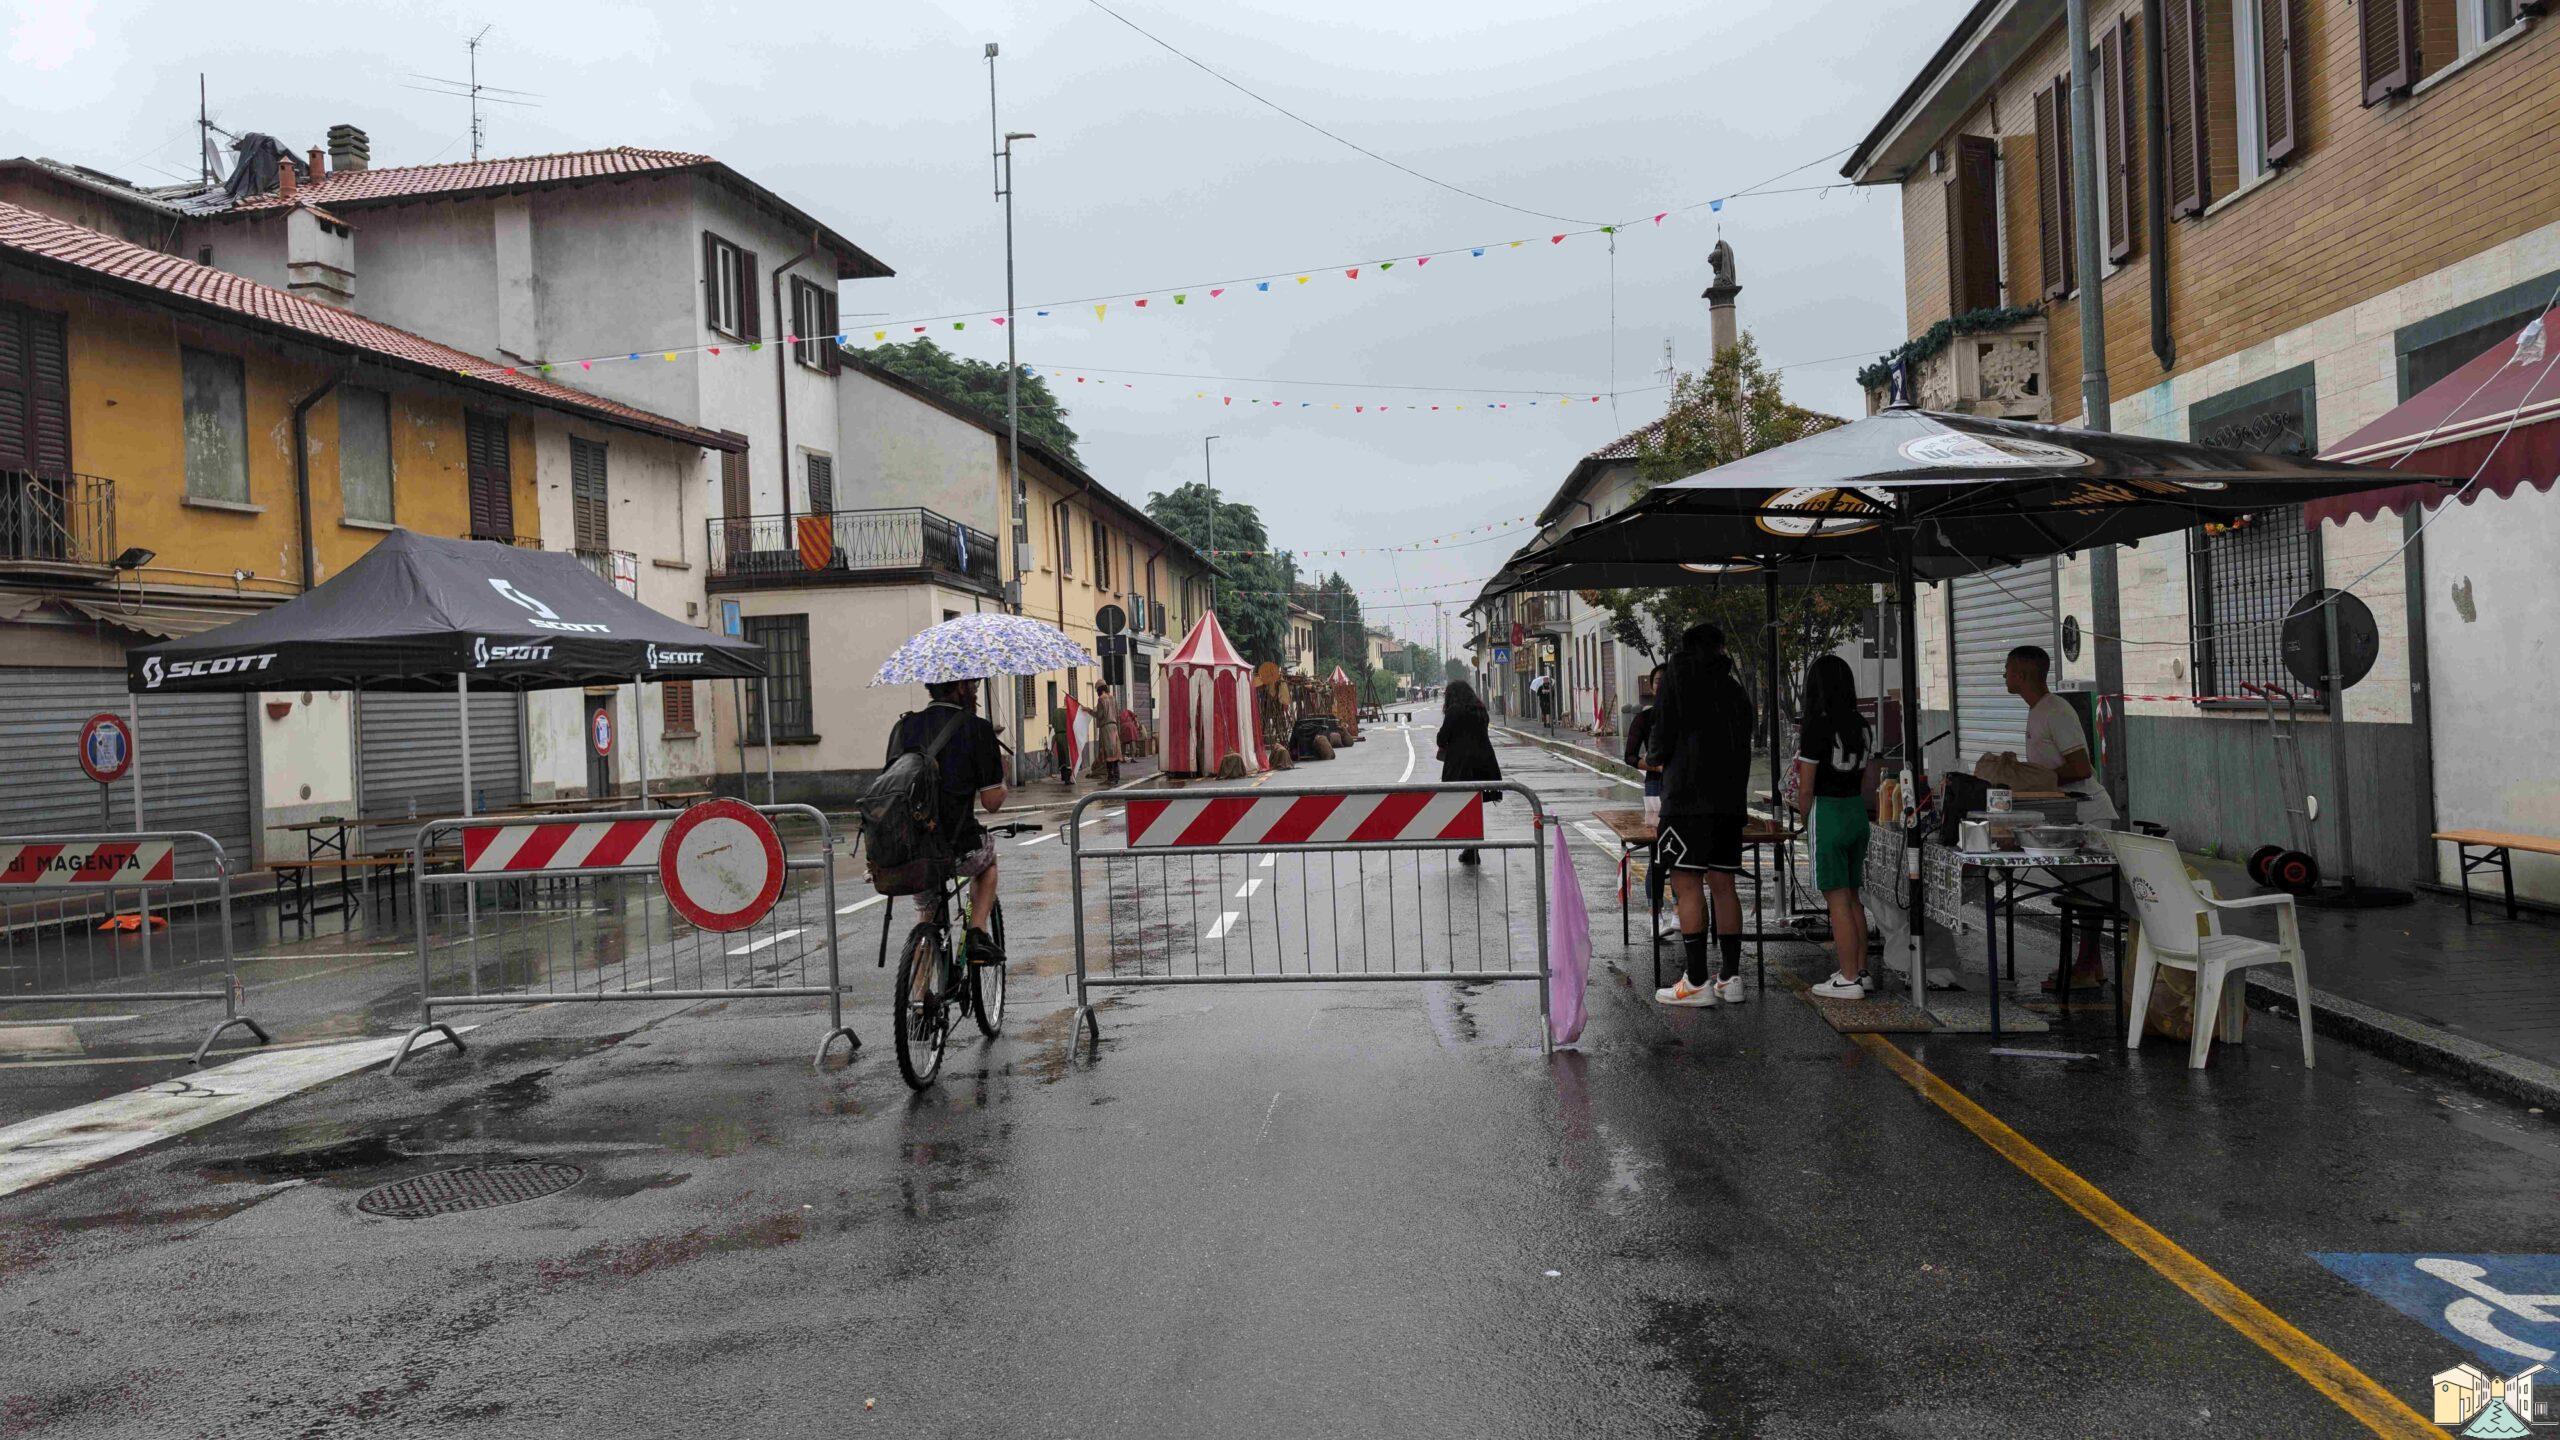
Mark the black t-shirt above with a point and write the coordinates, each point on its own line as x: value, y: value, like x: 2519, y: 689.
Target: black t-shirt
x: 1838, y: 753
x: 971, y: 760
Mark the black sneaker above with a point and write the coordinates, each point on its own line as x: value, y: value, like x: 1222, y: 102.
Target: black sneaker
x: 982, y: 948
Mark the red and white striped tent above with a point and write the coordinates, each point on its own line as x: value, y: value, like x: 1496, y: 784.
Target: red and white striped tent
x: 1209, y: 705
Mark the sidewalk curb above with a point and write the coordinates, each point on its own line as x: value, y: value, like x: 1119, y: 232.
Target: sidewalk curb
x: 2415, y: 1044
x: 1617, y: 769
x: 2412, y: 1043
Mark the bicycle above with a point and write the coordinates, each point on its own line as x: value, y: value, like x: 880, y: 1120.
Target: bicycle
x: 935, y: 978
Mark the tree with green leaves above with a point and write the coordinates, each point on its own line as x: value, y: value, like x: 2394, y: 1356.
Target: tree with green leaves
x: 1735, y: 407
x: 978, y: 385
x: 1252, y: 594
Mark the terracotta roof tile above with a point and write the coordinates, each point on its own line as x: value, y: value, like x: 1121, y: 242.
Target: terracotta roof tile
x: 403, y: 182
x: 28, y: 233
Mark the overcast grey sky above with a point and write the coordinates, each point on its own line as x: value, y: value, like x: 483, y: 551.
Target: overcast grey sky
x: 1149, y: 175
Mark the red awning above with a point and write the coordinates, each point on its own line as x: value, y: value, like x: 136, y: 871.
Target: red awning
x: 2493, y: 417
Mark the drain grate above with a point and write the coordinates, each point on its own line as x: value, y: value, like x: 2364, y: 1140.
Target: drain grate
x: 473, y: 1187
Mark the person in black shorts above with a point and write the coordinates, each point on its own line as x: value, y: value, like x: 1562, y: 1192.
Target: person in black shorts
x: 972, y: 765
x: 1701, y: 739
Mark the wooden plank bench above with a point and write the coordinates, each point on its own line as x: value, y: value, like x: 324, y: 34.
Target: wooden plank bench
x: 2494, y: 847
x: 306, y: 875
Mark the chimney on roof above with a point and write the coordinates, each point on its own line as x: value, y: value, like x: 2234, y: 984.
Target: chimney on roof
x: 348, y: 149
x: 1722, y: 326
x: 316, y: 167
x: 284, y: 179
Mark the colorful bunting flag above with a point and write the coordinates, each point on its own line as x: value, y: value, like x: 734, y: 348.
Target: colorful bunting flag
x: 1353, y: 272
x: 1098, y: 309
x: 1214, y: 294
x: 1261, y: 284
x: 1179, y: 297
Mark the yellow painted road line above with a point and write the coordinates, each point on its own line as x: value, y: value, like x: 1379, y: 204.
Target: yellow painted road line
x: 2353, y: 1391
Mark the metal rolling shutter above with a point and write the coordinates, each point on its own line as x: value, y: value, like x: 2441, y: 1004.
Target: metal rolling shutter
x: 1995, y: 613
x: 410, y: 755
x: 194, y: 750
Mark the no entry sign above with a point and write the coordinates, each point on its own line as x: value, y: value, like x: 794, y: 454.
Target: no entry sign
x: 722, y: 865
x: 106, y: 747
x: 600, y: 730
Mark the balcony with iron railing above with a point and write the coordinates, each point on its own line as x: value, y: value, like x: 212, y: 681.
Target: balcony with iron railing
x: 67, y: 521
x: 850, y: 547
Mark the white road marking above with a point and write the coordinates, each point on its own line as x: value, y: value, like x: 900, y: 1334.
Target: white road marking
x: 1596, y: 770
x: 1408, y: 756
x: 66, y: 1020
x: 1598, y: 836
x: 860, y: 905
x: 1267, y: 1112
x: 1088, y: 824
x: 1265, y: 862
x: 1036, y: 839
x: 1249, y: 887
x: 51, y: 1146
x: 750, y: 949
x: 1225, y: 923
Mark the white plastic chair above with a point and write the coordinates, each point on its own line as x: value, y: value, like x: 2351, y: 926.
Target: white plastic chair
x: 2182, y: 929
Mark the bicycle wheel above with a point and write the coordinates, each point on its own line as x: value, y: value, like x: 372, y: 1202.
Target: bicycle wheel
x: 986, y: 982
x: 923, y: 1013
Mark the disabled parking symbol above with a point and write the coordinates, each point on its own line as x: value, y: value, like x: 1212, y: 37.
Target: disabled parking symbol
x: 2504, y: 1309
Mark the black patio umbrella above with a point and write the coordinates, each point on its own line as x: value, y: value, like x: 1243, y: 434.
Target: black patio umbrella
x: 1922, y: 492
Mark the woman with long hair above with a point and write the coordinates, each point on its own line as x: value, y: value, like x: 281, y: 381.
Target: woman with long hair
x: 1831, y: 772
x: 1466, y: 745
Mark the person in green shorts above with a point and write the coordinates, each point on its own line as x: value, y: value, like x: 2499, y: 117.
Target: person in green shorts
x: 1831, y: 770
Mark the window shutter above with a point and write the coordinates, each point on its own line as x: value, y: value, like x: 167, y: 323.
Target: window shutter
x: 750, y: 314
x: 822, y: 485
x: 1973, y: 226
x: 676, y: 706
x: 2390, y: 48
x: 2115, y: 89
x: 2052, y: 193
x: 830, y: 354
x: 2279, y: 77
x: 17, y: 425
x: 710, y: 280
x: 590, y: 512
x: 2182, y: 106
x: 493, y: 503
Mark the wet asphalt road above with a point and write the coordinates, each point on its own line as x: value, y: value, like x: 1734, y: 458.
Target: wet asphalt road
x: 1286, y: 1210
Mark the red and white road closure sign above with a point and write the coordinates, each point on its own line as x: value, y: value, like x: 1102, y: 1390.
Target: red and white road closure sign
x: 89, y: 862
x: 1364, y: 818
x: 553, y: 846
x: 722, y: 865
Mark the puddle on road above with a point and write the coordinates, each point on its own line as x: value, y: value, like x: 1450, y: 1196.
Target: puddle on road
x: 365, y: 1152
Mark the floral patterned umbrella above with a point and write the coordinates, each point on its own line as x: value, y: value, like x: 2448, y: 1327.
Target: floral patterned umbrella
x: 975, y: 646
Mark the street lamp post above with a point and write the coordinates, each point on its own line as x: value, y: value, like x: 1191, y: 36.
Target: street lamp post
x: 1209, y: 480
x: 1002, y: 161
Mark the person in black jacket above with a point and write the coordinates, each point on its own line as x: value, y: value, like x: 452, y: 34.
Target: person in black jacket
x: 1640, y: 730
x: 1466, y: 745
x: 1701, y: 739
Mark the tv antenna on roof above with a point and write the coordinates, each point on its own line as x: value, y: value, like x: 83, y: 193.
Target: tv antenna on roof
x: 1670, y: 370
x: 476, y: 92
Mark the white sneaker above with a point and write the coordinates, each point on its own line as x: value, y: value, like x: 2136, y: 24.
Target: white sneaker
x: 1682, y: 994
x: 1670, y: 928
x: 1840, y: 987
x: 1730, y: 991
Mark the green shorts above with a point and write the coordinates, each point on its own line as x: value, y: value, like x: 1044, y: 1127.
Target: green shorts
x: 1836, y: 832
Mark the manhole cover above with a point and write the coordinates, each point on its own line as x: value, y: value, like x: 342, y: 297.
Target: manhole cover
x: 475, y: 1187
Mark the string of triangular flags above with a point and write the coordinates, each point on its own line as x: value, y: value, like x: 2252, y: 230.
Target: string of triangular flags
x: 1156, y: 301
x: 1230, y: 400
x: 1472, y: 535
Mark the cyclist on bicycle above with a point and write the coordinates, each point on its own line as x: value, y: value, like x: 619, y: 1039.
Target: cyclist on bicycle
x: 972, y: 765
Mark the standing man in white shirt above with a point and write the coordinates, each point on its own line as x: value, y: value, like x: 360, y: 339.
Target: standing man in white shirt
x: 2056, y: 742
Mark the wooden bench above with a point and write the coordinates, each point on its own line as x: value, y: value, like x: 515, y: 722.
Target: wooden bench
x: 2494, y: 847
x: 305, y: 877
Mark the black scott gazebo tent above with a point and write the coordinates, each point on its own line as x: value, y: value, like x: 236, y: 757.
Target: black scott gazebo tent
x: 421, y: 614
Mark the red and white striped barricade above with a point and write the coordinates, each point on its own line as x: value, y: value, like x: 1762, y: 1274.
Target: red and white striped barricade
x: 1246, y: 885
x: 119, y: 920
x: 578, y: 908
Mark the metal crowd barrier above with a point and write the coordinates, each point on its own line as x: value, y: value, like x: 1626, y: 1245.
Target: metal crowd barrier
x: 1236, y: 886
x: 571, y: 910
x: 166, y: 940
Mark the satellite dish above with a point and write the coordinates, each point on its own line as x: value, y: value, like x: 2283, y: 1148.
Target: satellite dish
x: 1110, y: 620
x: 2306, y: 639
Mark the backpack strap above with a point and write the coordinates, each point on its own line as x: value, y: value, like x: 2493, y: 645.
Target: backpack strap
x: 933, y: 752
